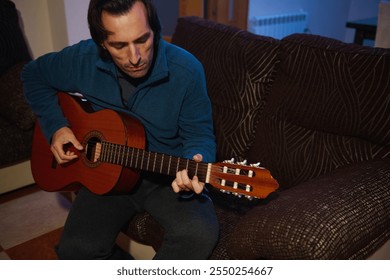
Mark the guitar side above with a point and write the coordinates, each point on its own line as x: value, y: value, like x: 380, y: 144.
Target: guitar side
x: 97, y: 176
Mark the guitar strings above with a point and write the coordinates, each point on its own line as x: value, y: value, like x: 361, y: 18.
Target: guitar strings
x: 151, y: 161
x: 119, y: 154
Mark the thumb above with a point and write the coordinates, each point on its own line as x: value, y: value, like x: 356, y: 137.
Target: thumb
x: 76, y: 144
x: 198, y: 157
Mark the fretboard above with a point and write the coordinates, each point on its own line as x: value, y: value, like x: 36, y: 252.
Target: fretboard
x: 151, y: 161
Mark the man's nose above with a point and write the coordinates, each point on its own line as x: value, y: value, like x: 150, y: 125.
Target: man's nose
x: 134, y: 55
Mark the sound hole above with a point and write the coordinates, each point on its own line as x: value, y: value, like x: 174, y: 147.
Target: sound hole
x: 92, y: 144
x: 93, y: 149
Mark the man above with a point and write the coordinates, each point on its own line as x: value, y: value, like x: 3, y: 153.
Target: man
x: 129, y: 68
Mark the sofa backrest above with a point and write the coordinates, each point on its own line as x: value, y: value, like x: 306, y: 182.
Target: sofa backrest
x: 240, y: 69
x: 329, y: 107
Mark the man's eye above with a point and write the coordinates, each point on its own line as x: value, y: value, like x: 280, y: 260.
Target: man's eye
x: 143, y: 39
x: 117, y: 46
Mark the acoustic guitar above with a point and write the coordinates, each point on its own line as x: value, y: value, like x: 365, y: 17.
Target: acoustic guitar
x: 114, y: 154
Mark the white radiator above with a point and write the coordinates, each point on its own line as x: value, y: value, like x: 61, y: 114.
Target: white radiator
x: 279, y: 26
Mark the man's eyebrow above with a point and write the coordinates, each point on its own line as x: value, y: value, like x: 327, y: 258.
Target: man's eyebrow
x: 140, y: 39
x: 143, y: 37
x: 117, y: 43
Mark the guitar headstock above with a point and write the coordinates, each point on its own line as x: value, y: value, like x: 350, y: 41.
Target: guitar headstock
x: 241, y: 179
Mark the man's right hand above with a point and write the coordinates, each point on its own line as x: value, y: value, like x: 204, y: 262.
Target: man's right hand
x: 60, y: 138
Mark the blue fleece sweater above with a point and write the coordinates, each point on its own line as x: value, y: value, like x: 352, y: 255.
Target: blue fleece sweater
x: 172, y: 103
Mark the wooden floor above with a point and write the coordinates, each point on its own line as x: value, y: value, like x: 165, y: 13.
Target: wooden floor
x: 31, y: 223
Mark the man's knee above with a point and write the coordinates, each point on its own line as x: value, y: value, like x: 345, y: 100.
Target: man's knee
x: 199, y: 233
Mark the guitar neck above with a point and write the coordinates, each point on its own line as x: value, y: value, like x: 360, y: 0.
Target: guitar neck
x: 151, y: 161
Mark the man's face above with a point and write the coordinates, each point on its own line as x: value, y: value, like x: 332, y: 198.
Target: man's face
x: 130, y: 40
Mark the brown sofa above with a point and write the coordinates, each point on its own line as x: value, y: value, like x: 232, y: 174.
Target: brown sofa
x: 316, y: 113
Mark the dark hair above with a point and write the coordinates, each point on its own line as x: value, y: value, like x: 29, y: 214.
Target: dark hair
x: 117, y: 7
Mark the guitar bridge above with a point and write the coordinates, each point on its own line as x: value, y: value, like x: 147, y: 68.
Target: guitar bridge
x: 54, y: 163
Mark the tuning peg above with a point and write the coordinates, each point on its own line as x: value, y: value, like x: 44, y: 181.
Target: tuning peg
x: 237, y: 194
x: 229, y: 161
x: 224, y: 191
x: 255, y: 164
x: 244, y: 162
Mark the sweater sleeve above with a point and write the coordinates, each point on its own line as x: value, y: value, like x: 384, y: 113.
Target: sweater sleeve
x: 196, y: 123
x: 42, y: 79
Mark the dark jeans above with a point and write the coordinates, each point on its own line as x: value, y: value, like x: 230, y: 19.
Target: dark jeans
x: 94, y: 221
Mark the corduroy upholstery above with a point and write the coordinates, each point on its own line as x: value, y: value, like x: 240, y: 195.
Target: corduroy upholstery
x: 315, y: 112
x: 16, y: 117
x: 239, y: 76
x: 325, y: 135
x: 329, y: 107
x: 340, y: 215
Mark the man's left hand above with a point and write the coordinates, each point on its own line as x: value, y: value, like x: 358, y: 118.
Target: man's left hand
x: 184, y: 183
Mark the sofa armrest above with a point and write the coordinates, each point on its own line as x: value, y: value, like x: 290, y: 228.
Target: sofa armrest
x: 342, y: 215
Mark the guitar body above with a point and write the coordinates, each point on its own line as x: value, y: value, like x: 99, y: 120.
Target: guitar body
x: 88, y: 127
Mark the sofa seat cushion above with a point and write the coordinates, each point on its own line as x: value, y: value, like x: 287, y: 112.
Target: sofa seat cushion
x: 329, y: 107
x: 13, y: 106
x: 144, y: 229
x: 342, y: 215
x: 240, y: 69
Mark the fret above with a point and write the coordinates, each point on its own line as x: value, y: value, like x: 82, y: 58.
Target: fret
x: 122, y: 155
x: 147, y: 165
x: 119, y: 157
x: 162, y: 161
x: 110, y: 157
x: 118, y: 154
x: 202, y: 171
x: 103, y: 152
x: 127, y: 155
x: 169, y: 164
x: 191, y: 168
x: 120, y: 147
x: 154, y: 162
x: 196, y: 170
x: 136, y: 159
x: 112, y: 151
x: 178, y: 165
x: 142, y: 159
x: 115, y: 153
x: 106, y: 158
x: 132, y: 157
